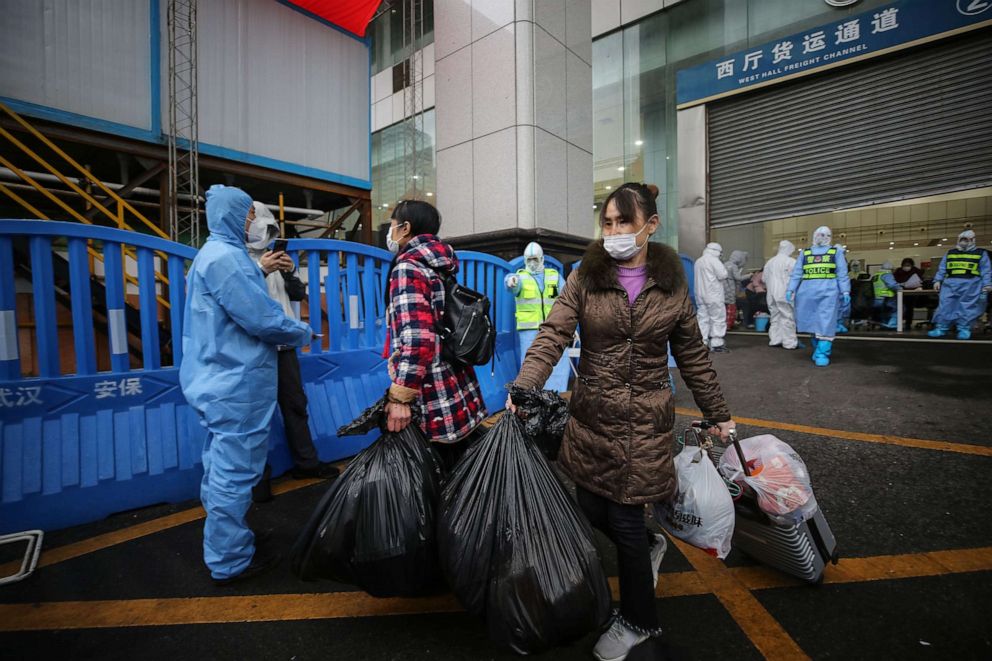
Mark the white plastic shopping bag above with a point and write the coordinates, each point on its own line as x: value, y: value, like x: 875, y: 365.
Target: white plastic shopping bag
x: 702, y: 512
x: 778, y: 477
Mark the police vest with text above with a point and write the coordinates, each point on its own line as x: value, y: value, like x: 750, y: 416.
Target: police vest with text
x: 820, y: 267
x: 533, y: 305
x: 881, y: 289
x: 962, y: 264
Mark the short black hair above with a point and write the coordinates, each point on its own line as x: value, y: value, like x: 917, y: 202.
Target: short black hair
x: 908, y: 259
x: 631, y: 198
x: 422, y: 216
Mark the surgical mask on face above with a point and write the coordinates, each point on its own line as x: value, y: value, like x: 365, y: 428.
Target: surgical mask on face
x: 391, y: 244
x: 907, y: 268
x: 256, y: 232
x: 622, y: 247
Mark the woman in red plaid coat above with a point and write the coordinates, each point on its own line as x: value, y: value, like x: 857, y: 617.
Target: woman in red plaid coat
x: 447, y: 396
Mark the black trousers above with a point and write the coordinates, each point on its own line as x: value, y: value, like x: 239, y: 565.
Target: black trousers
x: 293, y: 405
x: 624, y: 525
x: 451, y: 453
x: 754, y: 303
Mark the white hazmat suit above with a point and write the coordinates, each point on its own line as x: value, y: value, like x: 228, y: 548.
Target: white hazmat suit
x: 711, y: 313
x: 778, y: 270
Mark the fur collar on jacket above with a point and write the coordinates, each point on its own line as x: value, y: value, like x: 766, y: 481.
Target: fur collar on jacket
x: 599, y: 271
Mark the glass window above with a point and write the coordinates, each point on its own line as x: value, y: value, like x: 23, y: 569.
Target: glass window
x: 633, y: 71
x: 391, y: 41
x: 397, y: 173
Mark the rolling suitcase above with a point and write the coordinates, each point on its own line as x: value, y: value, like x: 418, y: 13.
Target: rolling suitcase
x: 801, y: 550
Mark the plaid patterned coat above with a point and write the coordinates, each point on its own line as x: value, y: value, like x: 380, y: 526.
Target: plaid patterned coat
x: 448, y: 396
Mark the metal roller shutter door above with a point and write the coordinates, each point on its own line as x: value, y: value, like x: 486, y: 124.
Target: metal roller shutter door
x: 907, y: 125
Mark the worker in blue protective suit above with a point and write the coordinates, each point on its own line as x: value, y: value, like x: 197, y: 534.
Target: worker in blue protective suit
x: 963, y: 280
x: 231, y: 327
x: 885, y: 287
x: 535, y: 289
x: 818, y: 286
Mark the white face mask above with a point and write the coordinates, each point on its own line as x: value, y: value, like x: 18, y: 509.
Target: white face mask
x: 257, y: 232
x: 622, y: 247
x: 391, y: 244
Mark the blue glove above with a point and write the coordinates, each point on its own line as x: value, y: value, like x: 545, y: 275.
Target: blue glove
x: 790, y: 296
x: 847, y: 298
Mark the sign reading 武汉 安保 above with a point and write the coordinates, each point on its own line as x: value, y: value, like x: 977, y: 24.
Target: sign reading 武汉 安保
x: 893, y: 25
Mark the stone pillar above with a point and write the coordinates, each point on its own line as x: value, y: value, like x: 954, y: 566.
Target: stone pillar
x: 692, y: 155
x: 514, y: 116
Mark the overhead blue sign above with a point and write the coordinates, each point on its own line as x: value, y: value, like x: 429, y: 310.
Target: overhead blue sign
x: 875, y: 32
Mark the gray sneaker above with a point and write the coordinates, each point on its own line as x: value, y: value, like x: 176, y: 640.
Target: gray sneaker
x: 616, y: 643
x: 657, y: 554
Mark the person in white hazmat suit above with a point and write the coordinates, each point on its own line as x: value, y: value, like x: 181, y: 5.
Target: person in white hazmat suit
x: 536, y: 289
x: 711, y: 313
x: 776, y: 274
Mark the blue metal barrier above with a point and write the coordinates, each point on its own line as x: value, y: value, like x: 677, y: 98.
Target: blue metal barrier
x: 78, y: 443
x: 107, y: 428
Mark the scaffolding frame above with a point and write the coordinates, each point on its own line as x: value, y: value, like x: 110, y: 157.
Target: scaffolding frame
x: 413, y: 35
x: 183, y: 139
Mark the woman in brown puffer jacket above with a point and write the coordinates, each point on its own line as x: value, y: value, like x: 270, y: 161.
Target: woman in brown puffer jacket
x: 630, y: 301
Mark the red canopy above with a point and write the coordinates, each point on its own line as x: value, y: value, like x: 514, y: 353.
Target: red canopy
x: 351, y: 15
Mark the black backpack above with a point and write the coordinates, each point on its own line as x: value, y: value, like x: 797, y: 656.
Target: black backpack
x: 468, y: 335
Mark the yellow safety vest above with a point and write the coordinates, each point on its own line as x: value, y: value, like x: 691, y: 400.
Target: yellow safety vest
x: 881, y: 289
x: 819, y: 267
x: 963, y: 264
x: 533, y: 305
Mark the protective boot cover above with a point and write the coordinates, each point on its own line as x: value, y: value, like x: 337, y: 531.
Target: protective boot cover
x: 376, y: 525
x: 515, y: 547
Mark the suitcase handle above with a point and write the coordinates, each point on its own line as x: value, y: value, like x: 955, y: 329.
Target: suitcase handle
x: 703, y: 425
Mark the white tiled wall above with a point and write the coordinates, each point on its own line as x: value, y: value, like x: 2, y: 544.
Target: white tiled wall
x: 512, y: 81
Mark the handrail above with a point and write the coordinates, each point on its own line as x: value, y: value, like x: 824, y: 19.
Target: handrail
x: 83, y: 171
x: 117, y: 218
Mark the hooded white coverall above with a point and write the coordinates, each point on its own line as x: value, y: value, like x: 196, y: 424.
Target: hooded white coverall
x: 776, y: 274
x: 711, y: 313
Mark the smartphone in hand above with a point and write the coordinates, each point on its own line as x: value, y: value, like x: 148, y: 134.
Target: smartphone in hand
x: 279, y: 245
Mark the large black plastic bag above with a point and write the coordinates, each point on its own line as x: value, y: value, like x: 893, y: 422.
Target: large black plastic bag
x: 376, y: 525
x: 515, y: 548
x: 546, y: 415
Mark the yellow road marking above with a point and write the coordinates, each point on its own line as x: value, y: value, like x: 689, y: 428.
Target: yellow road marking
x: 763, y: 630
x: 943, y: 446
x: 877, y: 568
x: 711, y: 576
x: 100, y: 542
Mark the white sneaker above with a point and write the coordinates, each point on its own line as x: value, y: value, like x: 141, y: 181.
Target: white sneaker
x: 616, y: 643
x: 657, y: 554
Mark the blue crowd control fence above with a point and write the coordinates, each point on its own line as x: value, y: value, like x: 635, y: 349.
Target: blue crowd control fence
x: 92, y: 420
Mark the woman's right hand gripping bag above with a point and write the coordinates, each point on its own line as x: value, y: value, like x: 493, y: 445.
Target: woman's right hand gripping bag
x: 515, y: 548
x: 702, y: 512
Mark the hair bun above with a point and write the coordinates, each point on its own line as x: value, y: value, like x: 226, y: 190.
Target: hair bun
x: 654, y: 190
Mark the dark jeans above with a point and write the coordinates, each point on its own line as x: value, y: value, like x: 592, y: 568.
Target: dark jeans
x: 624, y: 525
x: 293, y: 405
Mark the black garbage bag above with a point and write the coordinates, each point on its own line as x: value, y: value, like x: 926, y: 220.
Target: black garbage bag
x: 546, y: 415
x: 376, y: 525
x: 514, y: 547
